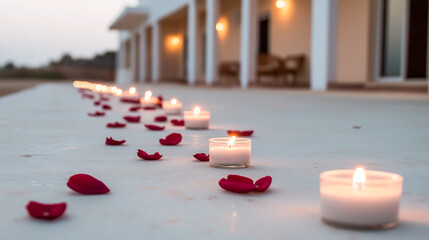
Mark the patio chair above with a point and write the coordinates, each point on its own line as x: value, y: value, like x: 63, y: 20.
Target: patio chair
x: 293, y: 65
x: 229, y: 70
x: 269, y: 66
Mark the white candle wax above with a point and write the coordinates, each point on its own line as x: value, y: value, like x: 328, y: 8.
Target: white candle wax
x: 371, y: 203
x: 197, y: 119
x: 132, y: 92
x: 224, y: 154
x: 148, y: 100
x: 172, y: 107
x: 151, y: 102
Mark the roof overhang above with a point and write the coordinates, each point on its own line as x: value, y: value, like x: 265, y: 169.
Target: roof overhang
x: 130, y: 18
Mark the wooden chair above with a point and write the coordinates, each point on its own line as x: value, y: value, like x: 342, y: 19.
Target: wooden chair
x: 293, y: 65
x: 229, y: 70
x: 269, y: 65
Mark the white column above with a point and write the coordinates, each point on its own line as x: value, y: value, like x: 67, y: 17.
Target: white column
x: 212, y: 7
x: 248, y: 42
x: 192, y: 43
x: 142, y: 55
x: 323, y: 43
x: 156, y: 58
x: 119, y: 61
x: 133, y: 55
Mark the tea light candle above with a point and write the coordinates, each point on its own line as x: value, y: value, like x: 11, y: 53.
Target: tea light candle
x: 172, y: 107
x: 197, y: 119
x: 359, y: 198
x: 132, y: 92
x: 229, y: 152
x: 148, y: 100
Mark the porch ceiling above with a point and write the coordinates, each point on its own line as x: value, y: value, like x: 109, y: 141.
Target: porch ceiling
x: 130, y: 18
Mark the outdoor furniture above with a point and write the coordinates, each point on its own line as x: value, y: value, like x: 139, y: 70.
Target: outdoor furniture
x: 293, y: 65
x: 229, y: 70
x: 269, y: 65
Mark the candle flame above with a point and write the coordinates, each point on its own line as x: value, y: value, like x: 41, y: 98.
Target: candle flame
x: 113, y: 89
x: 231, y: 142
x: 359, y: 178
x: 132, y: 91
x: 98, y: 87
x: 197, y: 110
x: 118, y: 92
x: 173, y: 101
x: 147, y: 95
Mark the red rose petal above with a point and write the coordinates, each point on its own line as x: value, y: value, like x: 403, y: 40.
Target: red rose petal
x: 106, y: 107
x: 86, y: 95
x: 82, y: 90
x: 238, y: 178
x: 111, y: 141
x: 116, y: 125
x: 172, y: 139
x: 160, y: 98
x: 96, y: 103
x: 201, y: 156
x: 132, y: 119
x: 177, y: 122
x: 238, y: 133
x: 46, y: 211
x: 143, y: 155
x: 130, y: 100
x: 86, y: 184
x: 237, y: 184
x: 104, y: 98
x: 149, y: 108
x: 154, y: 127
x: 160, y: 119
x: 134, y: 109
x: 96, y: 114
x: 263, y: 184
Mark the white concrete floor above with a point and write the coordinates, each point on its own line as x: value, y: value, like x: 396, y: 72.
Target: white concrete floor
x: 46, y: 136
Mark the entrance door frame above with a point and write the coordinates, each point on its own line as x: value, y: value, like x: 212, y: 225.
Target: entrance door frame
x: 264, y: 16
x: 404, y: 46
x: 379, y: 44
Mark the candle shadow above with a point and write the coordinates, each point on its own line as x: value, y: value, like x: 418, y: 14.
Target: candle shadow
x: 385, y: 227
x: 63, y: 218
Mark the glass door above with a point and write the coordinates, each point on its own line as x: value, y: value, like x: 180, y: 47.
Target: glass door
x: 402, y: 27
x: 392, y: 38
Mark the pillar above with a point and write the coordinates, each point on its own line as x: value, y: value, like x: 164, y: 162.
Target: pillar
x: 212, y: 7
x: 248, y: 42
x: 323, y: 43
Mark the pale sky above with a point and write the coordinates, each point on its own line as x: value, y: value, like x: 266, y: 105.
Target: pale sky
x: 33, y: 32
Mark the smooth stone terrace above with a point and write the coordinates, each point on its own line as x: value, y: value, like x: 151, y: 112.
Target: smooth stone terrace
x: 46, y: 137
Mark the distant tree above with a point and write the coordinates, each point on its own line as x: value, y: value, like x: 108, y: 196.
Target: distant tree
x: 66, y: 58
x: 9, y: 66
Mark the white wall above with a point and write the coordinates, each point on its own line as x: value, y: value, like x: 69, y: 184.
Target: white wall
x: 354, y: 42
x: 229, y: 38
x: 290, y: 29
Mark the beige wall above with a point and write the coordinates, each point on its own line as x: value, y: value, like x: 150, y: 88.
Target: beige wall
x: 290, y: 33
x: 229, y: 38
x: 353, y: 59
x: 172, y: 64
x: 290, y: 29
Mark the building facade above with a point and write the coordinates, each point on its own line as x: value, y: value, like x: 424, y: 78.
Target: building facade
x: 339, y: 42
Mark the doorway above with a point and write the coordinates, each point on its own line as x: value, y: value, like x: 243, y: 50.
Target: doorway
x: 402, y: 40
x: 264, y: 26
